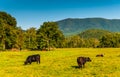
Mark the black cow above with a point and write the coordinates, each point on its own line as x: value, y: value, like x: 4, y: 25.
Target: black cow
x: 99, y: 55
x: 32, y: 58
x: 82, y: 60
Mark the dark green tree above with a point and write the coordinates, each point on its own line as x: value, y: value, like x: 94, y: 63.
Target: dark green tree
x: 110, y: 40
x: 2, y: 35
x: 7, y: 27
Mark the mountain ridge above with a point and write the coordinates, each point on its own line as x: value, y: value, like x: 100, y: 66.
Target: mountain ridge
x: 72, y: 26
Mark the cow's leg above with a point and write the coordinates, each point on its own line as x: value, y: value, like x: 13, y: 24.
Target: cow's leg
x: 83, y: 65
x: 80, y: 65
x: 39, y: 61
x: 30, y: 62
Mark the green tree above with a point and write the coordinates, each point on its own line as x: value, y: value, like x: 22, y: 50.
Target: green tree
x: 49, y: 35
x: 19, y: 36
x: 110, y: 40
x: 30, y: 38
x: 8, y: 19
x: 2, y: 35
x: 92, y: 42
x: 7, y: 27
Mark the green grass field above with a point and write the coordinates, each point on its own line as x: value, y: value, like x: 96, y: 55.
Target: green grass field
x: 62, y: 63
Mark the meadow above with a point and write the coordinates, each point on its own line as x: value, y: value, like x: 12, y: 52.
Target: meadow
x: 61, y: 63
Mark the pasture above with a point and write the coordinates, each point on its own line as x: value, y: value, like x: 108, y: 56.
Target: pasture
x: 62, y: 63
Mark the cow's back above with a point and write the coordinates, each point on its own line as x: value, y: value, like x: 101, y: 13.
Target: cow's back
x: 80, y: 60
x: 35, y: 57
x: 100, y: 55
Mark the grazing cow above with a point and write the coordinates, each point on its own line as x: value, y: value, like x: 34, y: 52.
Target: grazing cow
x: 82, y: 60
x: 99, y: 55
x: 32, y: 58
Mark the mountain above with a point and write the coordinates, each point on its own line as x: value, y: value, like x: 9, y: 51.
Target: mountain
x: 94, y: 33
x: 75, y: 25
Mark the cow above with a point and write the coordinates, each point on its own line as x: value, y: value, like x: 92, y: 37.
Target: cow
x: 82, y: 60
x: 100, y: 55
x: 32, y: 58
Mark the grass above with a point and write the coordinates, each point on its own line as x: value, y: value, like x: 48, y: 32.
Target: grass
x: 62, y: 63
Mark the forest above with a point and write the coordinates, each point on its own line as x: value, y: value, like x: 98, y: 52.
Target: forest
x: 49, y: 36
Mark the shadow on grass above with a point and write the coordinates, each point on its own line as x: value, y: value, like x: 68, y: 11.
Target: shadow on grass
x: 76, y: 67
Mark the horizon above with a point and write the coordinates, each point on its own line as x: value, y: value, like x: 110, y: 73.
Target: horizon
x: 31, y: 13
x: 90, y: 18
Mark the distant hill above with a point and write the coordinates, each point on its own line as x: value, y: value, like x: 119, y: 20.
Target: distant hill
x: 94, y: 33
x: 74, y: 26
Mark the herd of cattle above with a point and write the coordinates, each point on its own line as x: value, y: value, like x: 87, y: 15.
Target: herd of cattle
x: 80, y: 60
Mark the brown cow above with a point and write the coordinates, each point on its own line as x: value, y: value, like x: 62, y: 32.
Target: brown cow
x: 82, y: 60
x: 100, y: 55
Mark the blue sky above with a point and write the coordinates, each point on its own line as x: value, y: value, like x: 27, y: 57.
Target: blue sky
x: 32, y: 13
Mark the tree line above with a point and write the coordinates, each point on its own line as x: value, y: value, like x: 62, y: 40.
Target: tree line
x: 47, y: 36
x: 11, y: 36
x: 106, y: 41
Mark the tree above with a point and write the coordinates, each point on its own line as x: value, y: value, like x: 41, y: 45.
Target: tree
x: 92, y: 42
x: 110, y: 40
x: 8, y: 19
x: 49, y: 35
x: 30, y: 38
x: 2, y: 35
x: 73, y: 41
x: 7, y: 27
x: 19, y: 38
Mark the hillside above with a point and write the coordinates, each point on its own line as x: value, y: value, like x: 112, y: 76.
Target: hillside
x: 74, y: 26
x: 94, y: 33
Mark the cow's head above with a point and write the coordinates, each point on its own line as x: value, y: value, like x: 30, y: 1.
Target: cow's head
x: 88, y: 59
x: 25, y: 63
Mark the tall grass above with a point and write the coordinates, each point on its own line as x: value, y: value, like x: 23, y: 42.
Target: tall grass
x: 62, y: 63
